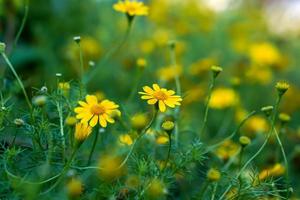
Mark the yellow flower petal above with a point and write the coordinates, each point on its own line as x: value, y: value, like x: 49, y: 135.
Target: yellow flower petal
x: 162, y: 106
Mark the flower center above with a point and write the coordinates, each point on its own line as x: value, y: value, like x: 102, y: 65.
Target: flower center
x: 97, y: 109
x: 131, y: 9
x: 160, y: 95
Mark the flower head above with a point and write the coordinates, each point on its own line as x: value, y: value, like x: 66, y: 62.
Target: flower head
x: 92, y: 111
x: 160, y: 96
x: 131, y: 8
x: 282, y: 87
x: 74, y: 187
x: 125, y: 139
x: 213, y: 174
x: 82, y: 131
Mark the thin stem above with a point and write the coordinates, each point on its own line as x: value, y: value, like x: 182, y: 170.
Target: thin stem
x: 214, y: 191
x: 90, y: 75
x: 284, y: 158
x: 211, y: 87
x: 203, y: 190
x: 81, y: 69
x: 169, y: 153
x: 178, y: 91
x: 143, y: 132
x: 93, y: 148
x: 18, y: 79
x: 212, y: 147
x: 61, y: 125
x: 261, y: 148
x: 26, y: 11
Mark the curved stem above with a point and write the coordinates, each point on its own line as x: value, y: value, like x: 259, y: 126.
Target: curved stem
x: 93, y: 148
x: 18, y: 79
x: 143, y: 132
x: 61, y: 125
x: 169, y: 153
x: 211, y: 87
x: 212, y: 147
x: 26, y: 11
x: 90, y: 75
x: 260, y: 149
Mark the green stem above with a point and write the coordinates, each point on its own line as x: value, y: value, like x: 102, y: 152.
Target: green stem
x: 93, y: 148
x: 178, y: 92
x: 203, y: 190
x: 26, y: 11
x: 212, y: 147
x: 214, y: 191
x: 284, y: 159
x: 18, y: 79
x: 211, y: 87
x: 81, y: 70
x: 143, y: 132
x: 261, y: 148
x: 91, y: 74
x: 169, y: 153
x: 61, y: 125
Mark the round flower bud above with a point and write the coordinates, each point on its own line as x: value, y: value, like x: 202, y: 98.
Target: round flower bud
x: 2, y: 47
x: 244, y: 141
x: 39, y: 100
x: 168, y: 126
x: 282, y: 87
x: 74, y: 188
x: 70, y: 121
x: 77, y: 39
x: 284, y: 118
x: 216, y: 70
x: 139, y: 121
x: 19, y: 122
x: 267, y: 110
x: 213, y: 174
x: 141, y: 63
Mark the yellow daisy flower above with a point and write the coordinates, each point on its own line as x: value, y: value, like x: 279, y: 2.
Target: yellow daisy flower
x: 93, y: 111
x: 131, y: 8
x: 161, y: 96
x: 82, y: 131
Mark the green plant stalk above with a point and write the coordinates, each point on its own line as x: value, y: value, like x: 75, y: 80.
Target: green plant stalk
x: 214, y: 191
x: 211, y: 87
x: 63, y: 172
x: 261, y: 148
x: 203, y: 190
x: 284, y: 159
x: 93, y: 148
x: 91, y: 74
x: 61, y: 125
x: 18, y: 79
x: 212, y: 147
x: 82, y: 85
x: 26, y: 11
x: 168, y: 154
x: 143, y: 132
x: 178, y: 92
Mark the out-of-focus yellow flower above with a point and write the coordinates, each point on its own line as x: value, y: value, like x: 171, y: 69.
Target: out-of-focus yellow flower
x: 139, y: 121
x: 64, y: 86
x: 194, y: 94
x: 162, y: 140
x: 133, y: 181
x: 274, y: 171
x: 160, y: 96
x: 227, y: 150
x: 125, y: 139
x: 201, y: 67
x: 240, y: 114
x: 131, y: 7
x: 100, y: 95
x: 110, y: 168
x: 141, y: 63
x: 161, y: 37
x: 257, y: 124
x: 90, y: 47
x: 82, y: 131
x: 156, y: 189
x: 264, y: 53
x: 74, y: 188
x: 231, y: 193
x: 147, y: 46
x: 93, y: 111
x: 259, y: 74
x: 169, y: 73
x: 70, y: 121
x: 223, y: 98
x: 213, y: 174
